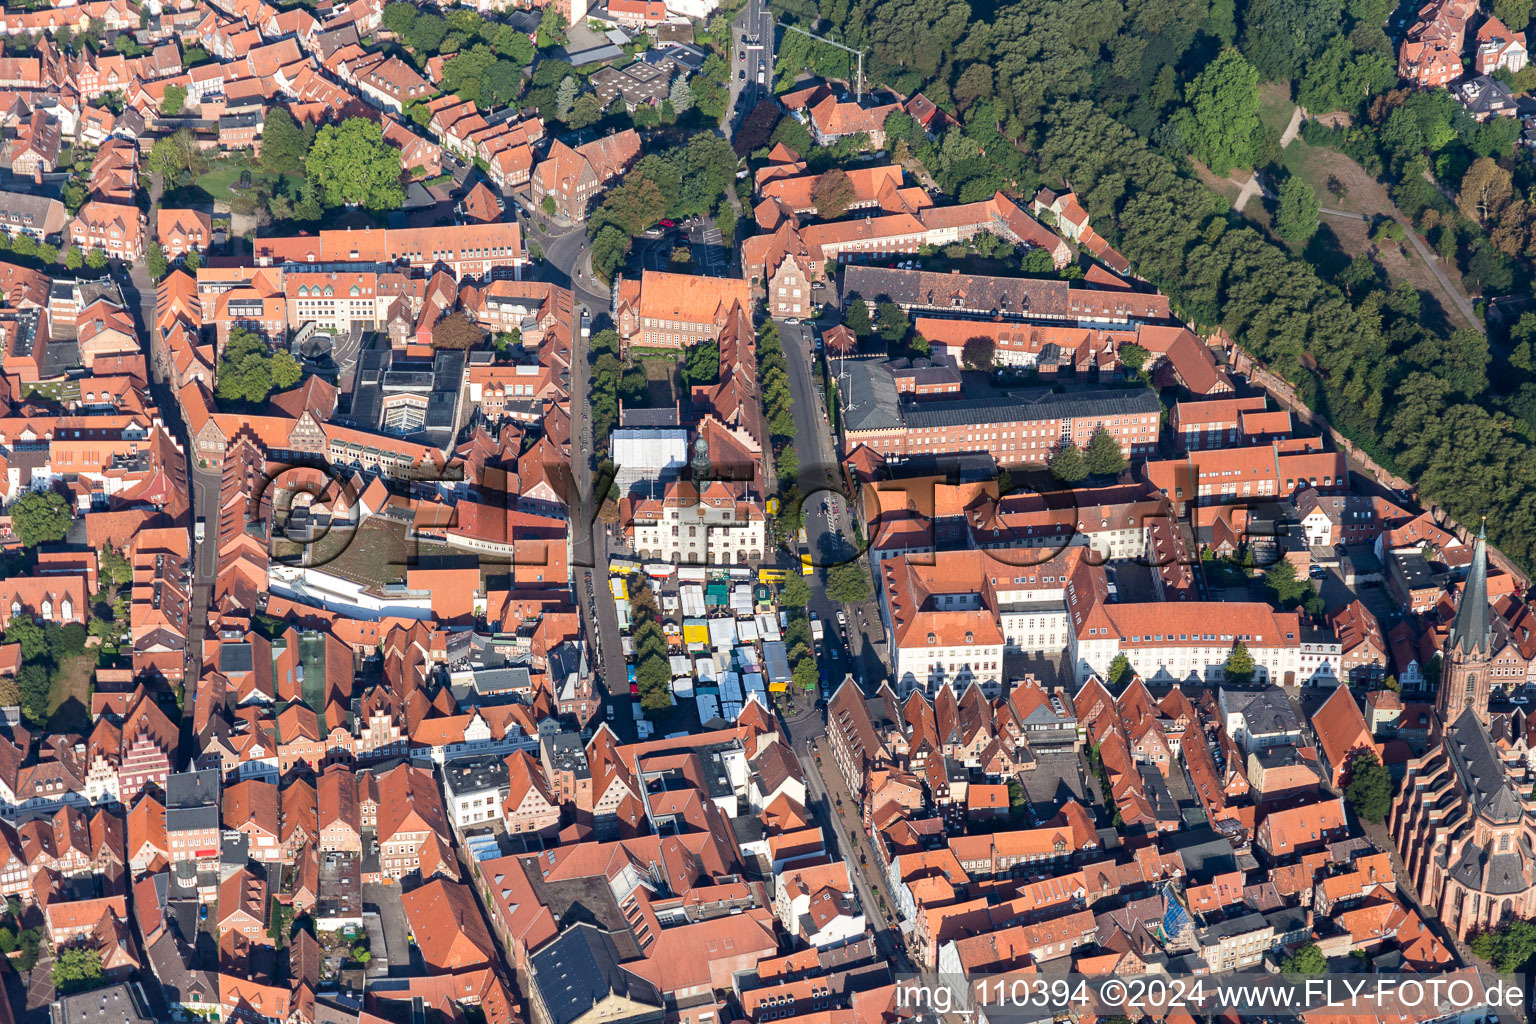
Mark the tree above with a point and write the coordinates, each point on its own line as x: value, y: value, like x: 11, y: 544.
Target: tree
x: 552, y: 26
x: 893, y: 320
x: 39, y: 517
x: 33, y: 638
x: 245, y: 371
x: 848, y: 583
x: 286, y: 371
x: 1281, y: 36
x: 1240, y: 666
x: 77, y: 969
x: 1223, y: 115
x: 681, y: 95
x: 1068, y: 464
x: 565, y: 97
x: 1369, y: 790
x: 353, y: 165
x: 856, y: 318
x: 1486, y: 189
x: 1509, y: 947
x: 96, y: 259
x: 74, y: 259
x: 701, y: 364
x: 1287, y: 587
x: 795, y: 593
x: 155, y: 261
x: 979, y: 353
x: 457, y: 331
x: 33, y: 682
x: 174, y: 100
x: 1307, y: 959
x: 610, y: 247
x: 115, y: 570
x: 1132, y: 356
x: 1103, y: 457
x: 1515, y: 14
x: 1296, y: 214
x: 284, y: 142
x: 1120, y: 671
x: 806, y: 675
x: 833, y: 193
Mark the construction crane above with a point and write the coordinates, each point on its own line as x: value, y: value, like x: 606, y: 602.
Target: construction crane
x: 859, y: 82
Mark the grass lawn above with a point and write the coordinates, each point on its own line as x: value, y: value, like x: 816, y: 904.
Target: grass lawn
x: 223, y: 178
x: 1316, y: 165
x: 69, y: 702
x: 1275, y: 106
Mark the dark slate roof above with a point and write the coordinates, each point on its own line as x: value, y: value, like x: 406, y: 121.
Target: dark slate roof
x: 871, y: 402
x: 1472, y: 631
x: 579, y: 969
x: 1043, y: 405
x: 192, y: 789
x: 1268, y: 710
x: 1482, y: 773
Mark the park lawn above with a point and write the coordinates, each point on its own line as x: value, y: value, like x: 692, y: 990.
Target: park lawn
x: 1317, y: 165
x: 1275, y: 106
x: 223, y: 177
x: 69, y: 700
x: 1360, y: 194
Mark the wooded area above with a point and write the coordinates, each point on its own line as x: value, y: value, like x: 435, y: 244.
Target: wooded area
x: 1115, y: 96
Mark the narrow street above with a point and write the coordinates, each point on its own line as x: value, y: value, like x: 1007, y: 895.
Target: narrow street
x: 824, y: 788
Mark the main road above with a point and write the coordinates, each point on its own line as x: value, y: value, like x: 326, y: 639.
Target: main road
x: 826, y: 512
x: 752, y: 47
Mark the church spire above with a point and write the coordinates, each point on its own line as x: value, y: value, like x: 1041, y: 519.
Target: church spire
x: 1473, y: 629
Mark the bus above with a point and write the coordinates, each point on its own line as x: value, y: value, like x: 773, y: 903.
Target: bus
x: 772, y: 575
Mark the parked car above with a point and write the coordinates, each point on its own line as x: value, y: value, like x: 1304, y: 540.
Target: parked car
x: 793, y: 321
x: 668, y: 223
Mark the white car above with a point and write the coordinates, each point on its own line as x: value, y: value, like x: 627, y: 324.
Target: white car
x: 793, y: 321
x: 842, y: 619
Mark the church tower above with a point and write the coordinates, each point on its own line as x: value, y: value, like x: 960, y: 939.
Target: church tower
x: 1465, y: 661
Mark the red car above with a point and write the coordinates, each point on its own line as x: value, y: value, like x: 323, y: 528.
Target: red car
x: 669, y: 223
x: 634, y: 689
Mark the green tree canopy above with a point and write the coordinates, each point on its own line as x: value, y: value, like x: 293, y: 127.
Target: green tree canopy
x: 1369, y: 790
x: 894, y: 322
x: 795, y: 593
x: 1103, y: 456
x: 353, y: 165
x: 174, y: 99
x: 39, y: 517
x: 284, y: 142
x: 1240, y: 665
x: 1509, y: 947
x: 1307, y: 959
x: 1223, y: 114
x: 1068, y: 464
x: 1296, y: 213
x: 848, y: 583
x: 856, y: 318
